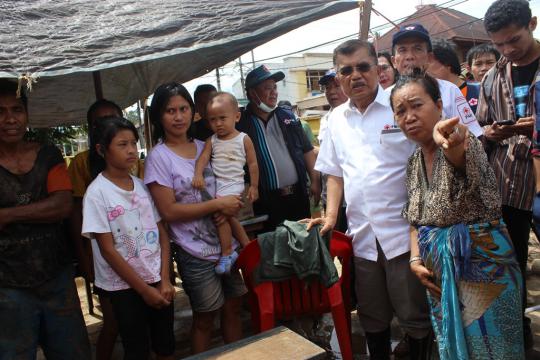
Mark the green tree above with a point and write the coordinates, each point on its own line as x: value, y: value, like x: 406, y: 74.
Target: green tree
x: 133, y: 117
x: 60, y: 136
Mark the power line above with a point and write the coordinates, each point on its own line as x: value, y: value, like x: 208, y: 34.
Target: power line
x: 327, y: 62
x: 446, y: 30
x: 416, y: 16
x: 300, y: 66
x: 438, y: 9
x: 308, y: 48
x: 378, y: 27
x: 354, y: 35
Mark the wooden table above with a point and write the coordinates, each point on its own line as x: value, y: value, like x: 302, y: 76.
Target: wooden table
x: 277, y: 344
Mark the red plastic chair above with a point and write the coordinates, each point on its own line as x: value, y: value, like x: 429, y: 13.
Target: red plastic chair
x: 286, y: 299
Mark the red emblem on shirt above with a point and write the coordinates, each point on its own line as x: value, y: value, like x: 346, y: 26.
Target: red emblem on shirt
x: 473, y: 101
x: 386, y: 127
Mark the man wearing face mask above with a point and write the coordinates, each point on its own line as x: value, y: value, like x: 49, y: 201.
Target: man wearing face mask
x: 284, y: 154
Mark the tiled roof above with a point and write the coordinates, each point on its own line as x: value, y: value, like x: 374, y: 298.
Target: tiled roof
x: 441, y: 23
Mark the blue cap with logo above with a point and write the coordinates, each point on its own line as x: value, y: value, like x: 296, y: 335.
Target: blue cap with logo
x: 329, y: 75
x: 411, y: 30
x: 260, y: 74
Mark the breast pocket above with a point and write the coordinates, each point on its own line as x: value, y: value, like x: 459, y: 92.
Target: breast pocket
x: 396, y: 146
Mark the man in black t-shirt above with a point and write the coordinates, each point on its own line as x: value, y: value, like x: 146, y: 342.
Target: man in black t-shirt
x: 38, y: 299
x: 506, y: 108
x: 522, y: 78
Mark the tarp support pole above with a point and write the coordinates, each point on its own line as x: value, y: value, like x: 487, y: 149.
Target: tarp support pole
x: 242, y: 75
x: 97, y: 85
x: 218, y: 79
x: 147, y: 126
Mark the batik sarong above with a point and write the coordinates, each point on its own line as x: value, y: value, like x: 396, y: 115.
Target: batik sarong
x: 479, y: 313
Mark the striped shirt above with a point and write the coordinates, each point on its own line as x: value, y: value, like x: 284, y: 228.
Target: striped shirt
x: 274, y: 162
x: 511, y: 158
x: 274, y: 150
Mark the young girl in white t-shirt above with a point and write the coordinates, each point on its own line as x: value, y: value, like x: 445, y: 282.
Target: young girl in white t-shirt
x: 130, y: 245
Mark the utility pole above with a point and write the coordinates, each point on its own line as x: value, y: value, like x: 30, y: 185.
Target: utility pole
x: 218, y: 79
x: 242, y: 76
x: 252, y: 60
x: 365, y: 15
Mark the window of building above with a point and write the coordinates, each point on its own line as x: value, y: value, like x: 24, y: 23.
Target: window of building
x: 312, y: 80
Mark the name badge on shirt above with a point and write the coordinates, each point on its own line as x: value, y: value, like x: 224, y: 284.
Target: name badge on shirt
x: 390, y: 131
x: 391, y: 134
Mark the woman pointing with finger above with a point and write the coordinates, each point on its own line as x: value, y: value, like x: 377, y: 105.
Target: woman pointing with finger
x: 460, y: 249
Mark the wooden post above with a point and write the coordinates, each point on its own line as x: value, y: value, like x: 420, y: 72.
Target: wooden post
x: 365, y: 15
x: 242, y: 76
x: 218, y: 79
x: 98, y: 88
x: 142, y: 131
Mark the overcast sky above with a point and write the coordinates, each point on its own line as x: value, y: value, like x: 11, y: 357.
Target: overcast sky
x: 339, y: 26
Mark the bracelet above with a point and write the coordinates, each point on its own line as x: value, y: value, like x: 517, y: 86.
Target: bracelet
x: 414, y: 259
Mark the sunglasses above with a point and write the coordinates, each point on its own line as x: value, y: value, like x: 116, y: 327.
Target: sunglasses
x: 384, y: 67
x: 362, y: 67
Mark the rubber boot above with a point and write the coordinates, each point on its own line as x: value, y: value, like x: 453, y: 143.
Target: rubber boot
x: 379, y: 345
x: 421, y: 349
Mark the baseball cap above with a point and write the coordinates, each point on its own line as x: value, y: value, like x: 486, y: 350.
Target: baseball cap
x: 261, y: 73
x: 329, y: 75
x: 411, y: 30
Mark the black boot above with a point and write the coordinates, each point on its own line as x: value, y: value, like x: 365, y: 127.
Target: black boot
x: 528, y: 339
x: 422, y: 349
x: 379, y: 345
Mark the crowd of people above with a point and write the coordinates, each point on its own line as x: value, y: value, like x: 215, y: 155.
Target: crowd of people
x: 431, y: 168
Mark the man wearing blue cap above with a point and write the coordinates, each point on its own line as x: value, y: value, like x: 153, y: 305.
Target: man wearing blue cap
x: 334, y: 96
x: 284, y: 154
x: 412, y: 51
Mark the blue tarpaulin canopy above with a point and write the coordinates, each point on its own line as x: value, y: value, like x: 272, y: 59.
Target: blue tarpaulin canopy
x: 134, y: 45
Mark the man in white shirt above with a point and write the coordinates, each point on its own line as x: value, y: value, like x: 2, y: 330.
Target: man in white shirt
x: 365, y: 156
x: 412, y: 51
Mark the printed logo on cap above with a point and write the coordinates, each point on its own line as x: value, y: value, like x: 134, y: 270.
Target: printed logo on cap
x: 409, y: 28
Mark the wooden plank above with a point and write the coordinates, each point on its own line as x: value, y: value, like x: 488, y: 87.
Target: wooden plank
x: 277, y: 344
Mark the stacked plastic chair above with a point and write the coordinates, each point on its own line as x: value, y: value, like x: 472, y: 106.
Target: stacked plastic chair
x: 284, y: 300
